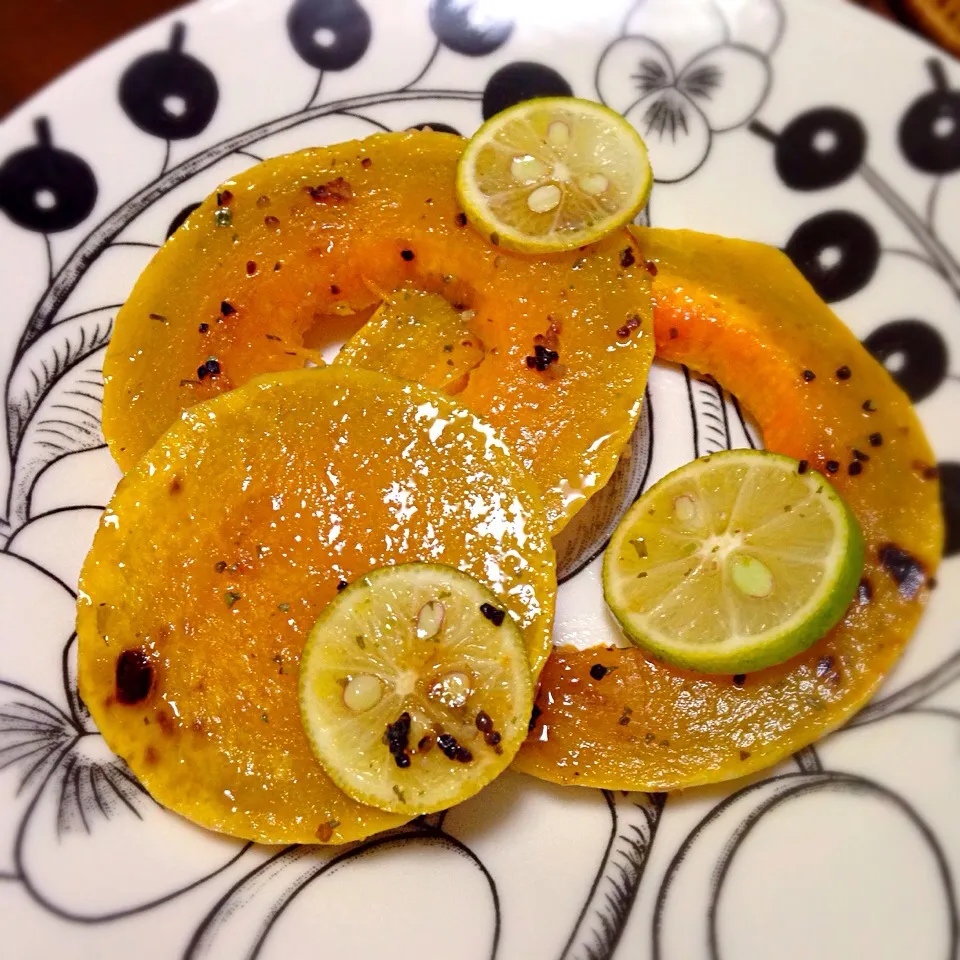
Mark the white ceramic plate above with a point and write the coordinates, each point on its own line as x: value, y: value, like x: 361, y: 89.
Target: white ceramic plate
x: 802, y: 123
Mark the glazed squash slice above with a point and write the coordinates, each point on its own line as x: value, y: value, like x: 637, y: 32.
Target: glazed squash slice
x: 742, y: 313
x: 554, y: 352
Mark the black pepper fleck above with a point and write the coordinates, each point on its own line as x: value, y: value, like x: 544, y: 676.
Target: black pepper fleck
x: 803, y: 466
x: 494, y: 614
x: 908, y: 572
x: 251, y: 267
x: 397, y: 738
x: 868, y: 406
x: 739, y: 679
x: 134, y: 677
x: 832, y: 466
x: 651, y: 268
x: 407, y: 255
x: 860, y: 455
x: 534, y: 717
x: 448, y: 746
x: 809, y: 375
x: 335, y: 192
x: 209, y: 369
x: 627, y: 258
x: 342, y: 585
x: 204, y: 327
x: 542, y: 358
x: 844, y: 373
x: 855, y: 468
x: 632, y: 324
x: 334, y: 289
x: 876, y: 439
x: 598, y: 671
x: 227, y: 309
x: 461, y: 219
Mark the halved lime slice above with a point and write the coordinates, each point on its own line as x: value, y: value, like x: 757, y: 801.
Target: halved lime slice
x: 415, y: 688
x: 734, y: 562
x: 553, y: 174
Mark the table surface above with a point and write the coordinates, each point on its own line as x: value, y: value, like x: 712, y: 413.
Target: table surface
x: 39, y: 39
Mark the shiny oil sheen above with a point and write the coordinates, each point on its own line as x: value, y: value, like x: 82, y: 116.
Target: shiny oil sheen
x: 224, y: 543
x: 297, y: 244
x: 742, y: 313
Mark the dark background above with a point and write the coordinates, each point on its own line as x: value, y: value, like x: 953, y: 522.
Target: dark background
x: 39, y: 39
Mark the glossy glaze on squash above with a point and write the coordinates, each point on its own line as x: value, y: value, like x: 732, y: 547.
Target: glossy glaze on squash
x: 223, y: 544
x: 267, y: 261
x: 742, y: 313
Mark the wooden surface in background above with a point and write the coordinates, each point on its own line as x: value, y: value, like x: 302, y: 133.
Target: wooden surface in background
x: 39, y: 39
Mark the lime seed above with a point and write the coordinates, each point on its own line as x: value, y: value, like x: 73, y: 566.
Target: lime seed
x: 362, y: 693
x: 752, y: 577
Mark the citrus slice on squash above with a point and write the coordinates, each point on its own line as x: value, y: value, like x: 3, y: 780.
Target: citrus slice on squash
x: 734, y: 562
x: 299, y: 244
x: 224, y: 544
x: 415, y: 688
x: 741, y: 312
x: 553, y: 174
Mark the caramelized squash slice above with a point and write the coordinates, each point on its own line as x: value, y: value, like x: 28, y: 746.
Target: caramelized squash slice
x: 295, y: 244
x: 742, y: 313
x: 224, y: 543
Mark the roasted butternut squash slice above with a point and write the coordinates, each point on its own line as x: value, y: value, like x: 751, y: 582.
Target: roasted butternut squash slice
x: 742, y: 313
x: 265, y: 264
x: 223, y: 544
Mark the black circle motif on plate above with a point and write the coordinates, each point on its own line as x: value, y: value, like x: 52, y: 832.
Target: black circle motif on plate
x: 45, y: 188
x: 820, y: 148
x: 914, y: 353
x: 329, y: 34
x: 930, y: 129
x: 471, y: 27
x: 179, y: 220
x: 950, y: 497
x: 437, y: 128
x: 519, y: 81
x: 837, y: 251
x: 168, y: 93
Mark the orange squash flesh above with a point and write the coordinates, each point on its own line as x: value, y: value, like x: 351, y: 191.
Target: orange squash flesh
x: 224, y: 543
x: 327, y: 232
x: 742, y: 313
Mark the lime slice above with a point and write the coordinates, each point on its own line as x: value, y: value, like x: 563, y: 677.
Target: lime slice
x: 553, y: 174
x: 415, y: 688
x: 734, y: 562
